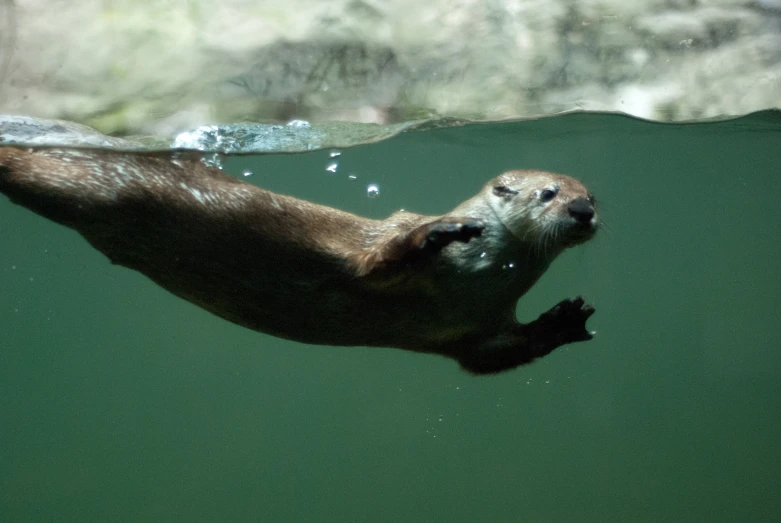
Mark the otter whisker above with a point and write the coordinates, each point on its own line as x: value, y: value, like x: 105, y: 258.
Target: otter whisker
x: 531, y: 230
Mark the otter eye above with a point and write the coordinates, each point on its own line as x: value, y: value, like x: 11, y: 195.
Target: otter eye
x: 547, y: 195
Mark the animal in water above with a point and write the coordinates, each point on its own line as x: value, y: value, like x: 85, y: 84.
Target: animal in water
x: 444, y: 285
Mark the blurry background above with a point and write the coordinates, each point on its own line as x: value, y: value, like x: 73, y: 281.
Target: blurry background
x: 162, y: 66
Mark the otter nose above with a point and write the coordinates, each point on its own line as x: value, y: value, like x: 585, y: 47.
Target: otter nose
x: 581, y: 210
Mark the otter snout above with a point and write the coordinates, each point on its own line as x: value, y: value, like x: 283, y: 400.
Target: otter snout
x: 582, y: 210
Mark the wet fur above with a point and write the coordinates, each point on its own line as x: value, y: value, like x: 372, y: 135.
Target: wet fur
x: 437, y: 284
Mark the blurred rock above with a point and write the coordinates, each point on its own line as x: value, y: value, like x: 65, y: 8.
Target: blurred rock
x: 160, y: 67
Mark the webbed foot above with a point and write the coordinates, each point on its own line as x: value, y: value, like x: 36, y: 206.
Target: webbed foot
x: 565, y: 322
x: 448, y: 230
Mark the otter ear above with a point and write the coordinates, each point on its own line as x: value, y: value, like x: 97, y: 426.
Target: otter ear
x: 504, y: 192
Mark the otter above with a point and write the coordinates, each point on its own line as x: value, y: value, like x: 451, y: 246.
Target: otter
x: 444, y: 285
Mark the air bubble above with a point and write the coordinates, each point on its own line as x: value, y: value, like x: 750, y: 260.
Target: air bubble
x: 373, y: 190
x: 212, y: 160
x: 247, y: 173
x: 332, y: 167
x: 334, y: 154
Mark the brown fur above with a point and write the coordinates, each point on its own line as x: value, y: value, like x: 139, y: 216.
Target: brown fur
x: 438, y: 284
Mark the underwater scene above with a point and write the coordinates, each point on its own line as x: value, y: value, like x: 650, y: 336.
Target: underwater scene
x: 122, y: 402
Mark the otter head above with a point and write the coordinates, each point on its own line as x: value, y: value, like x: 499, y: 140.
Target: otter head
x: 548, y: 211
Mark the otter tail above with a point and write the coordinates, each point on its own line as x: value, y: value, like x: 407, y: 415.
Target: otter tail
x: 56, y: 184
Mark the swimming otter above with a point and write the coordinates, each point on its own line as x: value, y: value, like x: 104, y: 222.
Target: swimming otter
x: 435, y: 284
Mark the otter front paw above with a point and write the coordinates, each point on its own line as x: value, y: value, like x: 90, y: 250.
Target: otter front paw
x: 566, y: 322
x: 449, y: 230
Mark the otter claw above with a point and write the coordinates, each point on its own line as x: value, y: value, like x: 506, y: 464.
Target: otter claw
x: 568, y: 320
x: 444, y: 233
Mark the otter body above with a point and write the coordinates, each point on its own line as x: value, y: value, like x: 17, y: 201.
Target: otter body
x: 436, y: 284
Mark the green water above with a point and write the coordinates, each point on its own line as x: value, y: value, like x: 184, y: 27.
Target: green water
x: 123, y: 403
